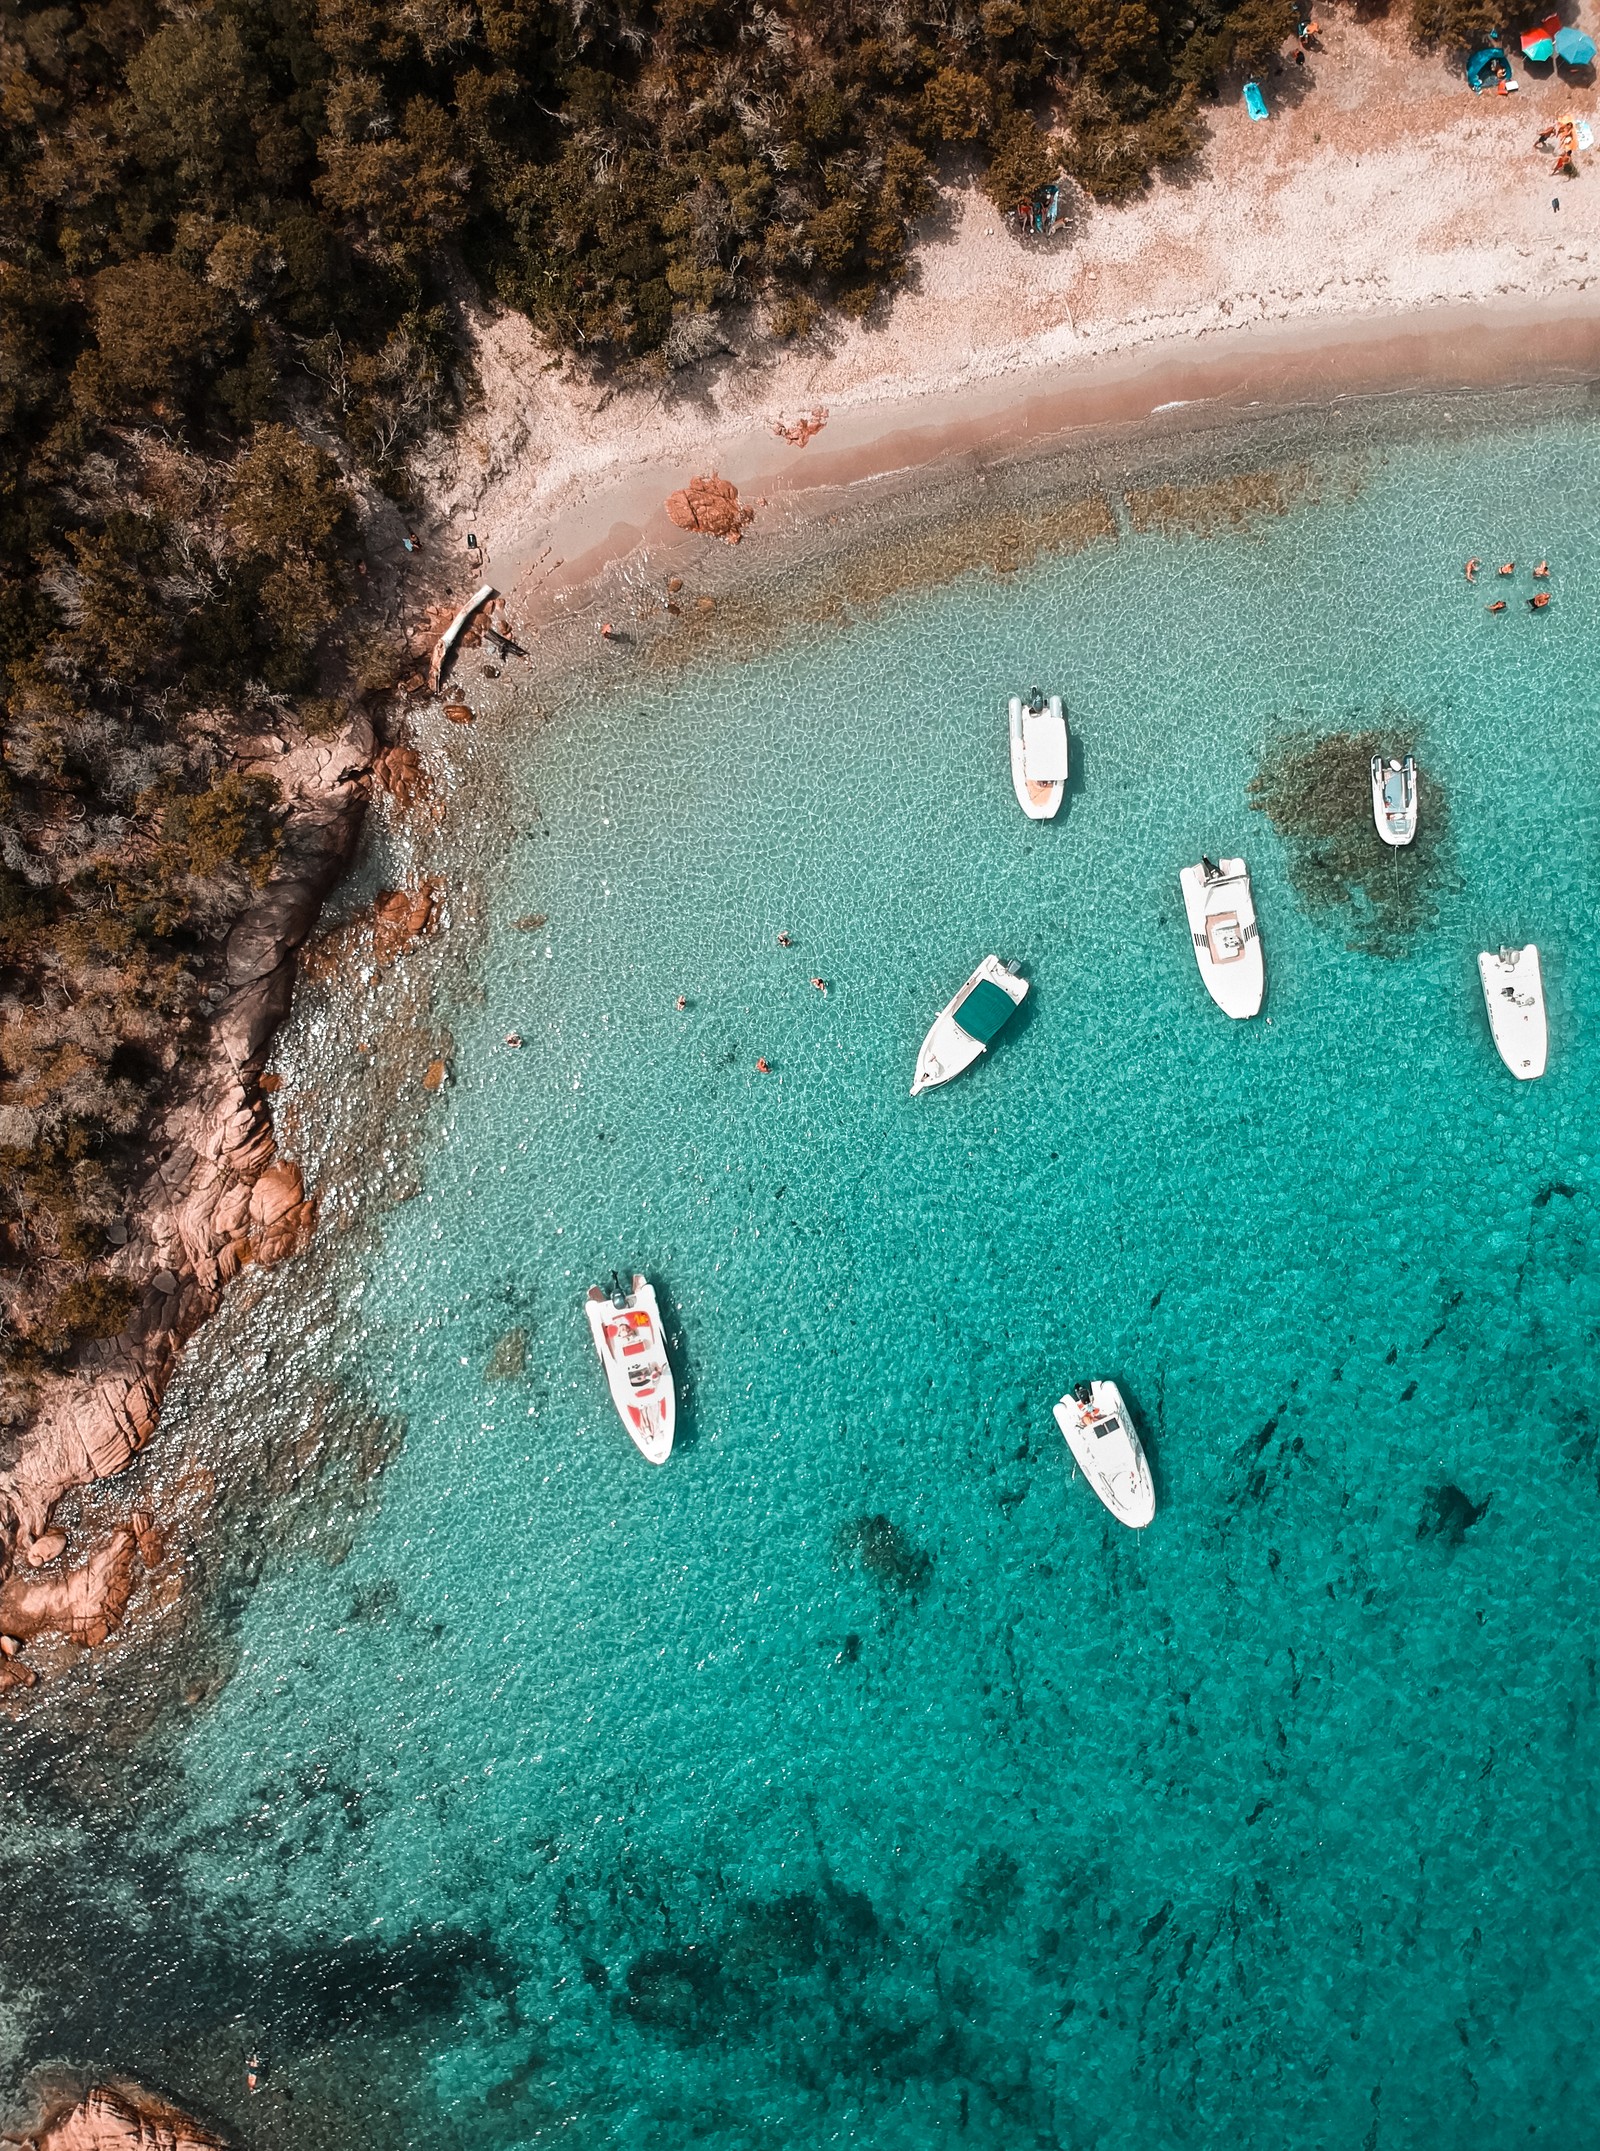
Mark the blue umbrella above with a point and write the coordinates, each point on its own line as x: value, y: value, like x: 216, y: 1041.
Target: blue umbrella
x: 1574, y: 47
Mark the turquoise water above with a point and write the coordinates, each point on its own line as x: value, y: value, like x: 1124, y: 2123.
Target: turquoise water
x: 854, y: 1779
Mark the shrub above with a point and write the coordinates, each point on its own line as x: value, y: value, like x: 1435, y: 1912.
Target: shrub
x: 156, y: 330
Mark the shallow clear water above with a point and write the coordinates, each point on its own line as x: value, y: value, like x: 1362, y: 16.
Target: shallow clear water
x: 640, y: 1808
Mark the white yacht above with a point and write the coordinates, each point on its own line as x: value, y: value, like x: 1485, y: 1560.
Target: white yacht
x: 627, y: 1332
x: 1040, y: 755
x: 963, y: 1030
x: 1227, y: 940
x: 1394, y: 797
x: 1100, y: 1435
x: 1513, y: 993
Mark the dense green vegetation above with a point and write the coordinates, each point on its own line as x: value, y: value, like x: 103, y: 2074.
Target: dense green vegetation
x: 228, y: 232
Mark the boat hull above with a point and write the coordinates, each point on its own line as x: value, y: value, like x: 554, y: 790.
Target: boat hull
x: 948, y: 1050
x: 1225, y: 936
x: 1513, y: 994
x: 633, y: 1351
x: 1109, y: 1453
x: 1039, y: 797
x: 1394, y: 817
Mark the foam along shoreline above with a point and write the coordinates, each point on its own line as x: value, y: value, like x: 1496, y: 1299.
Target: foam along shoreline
x: 1186, y: 385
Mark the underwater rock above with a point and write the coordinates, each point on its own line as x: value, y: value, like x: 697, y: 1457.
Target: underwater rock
x: 509, y: 1357
x: 399, y: 772
x: 401, y: 916
x: 126, y: 2119
x: 885, y: 1553
x: 711, y: 506
x: 1316, y: 790
x: 1448, y: 1514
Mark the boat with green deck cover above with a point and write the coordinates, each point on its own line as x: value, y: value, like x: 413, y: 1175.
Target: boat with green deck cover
x: 967, y: 1027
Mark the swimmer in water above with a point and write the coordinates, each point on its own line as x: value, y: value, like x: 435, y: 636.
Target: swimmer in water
x: 1539, y: 601
x: 784, y: 942
x: 1473, y: 566
x: 1510, y: 568
x: 1542, y: 571
x: 1499, y: 605
x: 681, y: 1003
x: 762, y: 1067
x: 821, y: 984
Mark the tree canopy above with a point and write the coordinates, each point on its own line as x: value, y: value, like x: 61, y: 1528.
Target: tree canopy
x: 228, y: 235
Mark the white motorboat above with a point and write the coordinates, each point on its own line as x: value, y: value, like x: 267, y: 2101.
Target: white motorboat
x: 1513, y: 993
x: 985, y: 1004
x: 1040, y: 755
x: 1100, y: 1435
x: 627, y: 1332
x: 1394, y: 797
x: 1227, y: 940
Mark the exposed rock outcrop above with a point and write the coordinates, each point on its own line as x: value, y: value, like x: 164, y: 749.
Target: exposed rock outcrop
x: 710, y: 505
x: 124, y: 2119
x: 218, y: 1199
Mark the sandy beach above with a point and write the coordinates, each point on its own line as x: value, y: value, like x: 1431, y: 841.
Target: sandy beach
x: 1385, y: 228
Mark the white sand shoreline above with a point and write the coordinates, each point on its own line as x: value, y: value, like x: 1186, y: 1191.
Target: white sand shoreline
x: 1386, y: 231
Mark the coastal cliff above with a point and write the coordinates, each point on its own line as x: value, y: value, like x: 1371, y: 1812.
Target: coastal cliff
x: 123, y: 2118
x: 217, y: 1197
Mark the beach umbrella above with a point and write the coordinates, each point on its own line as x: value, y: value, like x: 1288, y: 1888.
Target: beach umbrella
x: 1538, y: 42
x: 1574, y: 47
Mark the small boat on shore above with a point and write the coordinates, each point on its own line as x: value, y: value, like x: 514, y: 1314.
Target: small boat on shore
x: 964, y: 1029
x: 1040, y: 755
x: 627, y: 1332
x: 1513, y: 993
x: 1394, y: 798
x: 1227, y: 940
x: 1107, y: 1451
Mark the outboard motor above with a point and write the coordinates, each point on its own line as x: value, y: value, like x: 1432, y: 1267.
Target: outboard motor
x: 1082, y: 1393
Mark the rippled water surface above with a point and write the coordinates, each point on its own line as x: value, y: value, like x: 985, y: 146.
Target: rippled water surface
x: 854, y: 1779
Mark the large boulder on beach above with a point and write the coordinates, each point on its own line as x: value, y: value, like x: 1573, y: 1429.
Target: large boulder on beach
x: 710, y: 505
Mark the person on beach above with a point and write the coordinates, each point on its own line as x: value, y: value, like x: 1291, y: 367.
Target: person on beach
x: 1473, y: 566
x: 252, y: 2073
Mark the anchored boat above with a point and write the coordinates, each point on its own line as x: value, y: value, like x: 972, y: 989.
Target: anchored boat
x: 1227, y: 940
x: 1040, y: 755
x: 1394, y: 797
x: 1100, y: 1435
x: 963, y: 1030
x: 627, y: 1332
x: 1513, y: 993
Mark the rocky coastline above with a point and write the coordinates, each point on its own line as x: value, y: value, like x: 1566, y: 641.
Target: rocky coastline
x: 119, y: 2117
x: 218, y: 1198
